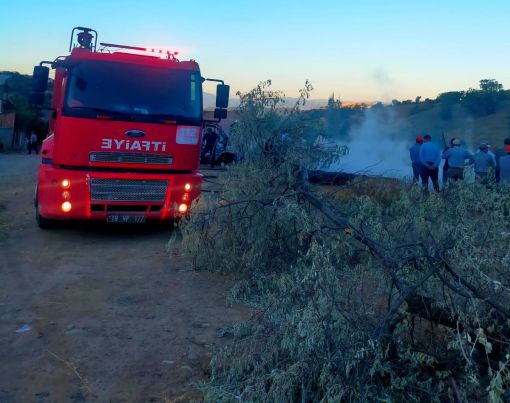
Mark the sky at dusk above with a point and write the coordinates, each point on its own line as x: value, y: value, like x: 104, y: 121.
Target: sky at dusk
x: 360, y: 50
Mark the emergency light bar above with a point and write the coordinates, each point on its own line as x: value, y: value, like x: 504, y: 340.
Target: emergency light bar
x: 169, y: 54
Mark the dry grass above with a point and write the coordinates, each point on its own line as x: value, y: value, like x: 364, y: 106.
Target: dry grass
x: 382, y: 189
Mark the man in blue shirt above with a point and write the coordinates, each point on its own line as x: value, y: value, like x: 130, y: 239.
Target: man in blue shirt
x: 430, y: 157
x: 414, y: 153
x: 483, y: 162
x: 457, y: 157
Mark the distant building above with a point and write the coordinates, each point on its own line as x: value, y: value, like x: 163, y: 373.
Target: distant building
x: 7, y: 138
x: 7, y: 117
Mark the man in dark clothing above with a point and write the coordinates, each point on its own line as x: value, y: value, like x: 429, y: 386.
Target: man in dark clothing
x: 446, y: 165
x: 430, y: 157
x: 32, y: 143
x: 210, y: 139
x: 414, y: 153
x: 500, y: 152
x: 504, y: 165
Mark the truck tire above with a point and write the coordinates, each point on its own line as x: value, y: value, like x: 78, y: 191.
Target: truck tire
x: 43, y: 223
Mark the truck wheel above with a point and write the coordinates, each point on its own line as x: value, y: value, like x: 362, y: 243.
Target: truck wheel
x: 43, y: 223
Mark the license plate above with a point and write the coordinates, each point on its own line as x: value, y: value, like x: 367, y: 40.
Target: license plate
x: 126, y: 218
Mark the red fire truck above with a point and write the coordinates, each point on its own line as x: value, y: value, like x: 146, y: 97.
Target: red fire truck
x: 125, y: 133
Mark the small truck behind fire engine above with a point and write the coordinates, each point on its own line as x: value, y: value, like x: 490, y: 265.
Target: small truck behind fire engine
x: 125, y: 133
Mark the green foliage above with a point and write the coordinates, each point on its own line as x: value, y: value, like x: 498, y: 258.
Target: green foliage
x: 17, y: 83
x: 376, y: 292
x: 485, y: 100
x: 17, y: 88
x: 450, y: 98
x: 446, y: 100
x: 490, y: 86
x: 27, y: 117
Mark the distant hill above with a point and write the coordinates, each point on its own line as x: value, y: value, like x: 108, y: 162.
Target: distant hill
x: 379, y: 138
x: 210, y: 100
x: 406, y: 121
x: 461, y: 124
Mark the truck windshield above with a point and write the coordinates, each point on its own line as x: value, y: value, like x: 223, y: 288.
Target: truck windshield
x: 133, y: 92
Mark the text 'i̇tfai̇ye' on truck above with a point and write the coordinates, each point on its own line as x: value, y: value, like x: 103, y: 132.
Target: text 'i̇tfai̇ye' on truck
x: 125, y: 133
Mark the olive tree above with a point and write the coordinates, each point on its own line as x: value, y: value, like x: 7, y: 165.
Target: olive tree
x: 370, y: 292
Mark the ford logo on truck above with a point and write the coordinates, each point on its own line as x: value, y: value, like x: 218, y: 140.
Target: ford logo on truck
x: 135, y: 133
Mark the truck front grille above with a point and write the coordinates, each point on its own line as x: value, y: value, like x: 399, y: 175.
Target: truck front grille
x: 130, y: 158
x: 127, y: 190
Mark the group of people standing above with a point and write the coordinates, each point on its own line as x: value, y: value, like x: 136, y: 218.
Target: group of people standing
x: 426, y: 157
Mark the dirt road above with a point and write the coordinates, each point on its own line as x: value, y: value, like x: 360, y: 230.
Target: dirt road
x: 112, y: 316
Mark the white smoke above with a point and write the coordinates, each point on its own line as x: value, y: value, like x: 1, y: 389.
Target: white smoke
x: 378, y: 146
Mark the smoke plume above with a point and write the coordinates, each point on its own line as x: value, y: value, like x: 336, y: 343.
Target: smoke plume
x: 378, y: 146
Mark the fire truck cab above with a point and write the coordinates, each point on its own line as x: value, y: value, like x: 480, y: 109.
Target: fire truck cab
x: 125, y: 133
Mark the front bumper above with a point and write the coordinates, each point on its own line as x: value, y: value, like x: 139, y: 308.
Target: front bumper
x: 96, y: 195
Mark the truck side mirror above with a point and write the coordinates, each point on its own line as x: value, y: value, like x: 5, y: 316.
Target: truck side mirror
x: 39, y: 84
x: 220, y: 113
x: 222, y: 95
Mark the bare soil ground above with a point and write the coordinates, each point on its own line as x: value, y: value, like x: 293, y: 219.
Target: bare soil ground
x: 113, y: 316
